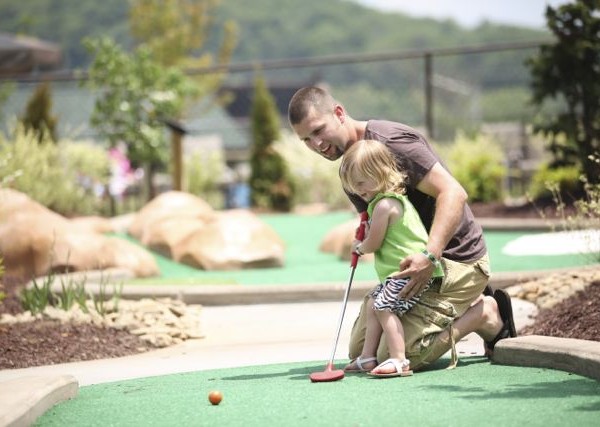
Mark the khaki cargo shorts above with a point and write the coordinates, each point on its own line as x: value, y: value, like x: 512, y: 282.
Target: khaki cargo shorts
x: 435, y: 312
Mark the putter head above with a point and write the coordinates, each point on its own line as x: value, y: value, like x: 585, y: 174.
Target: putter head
x: 327, y: 375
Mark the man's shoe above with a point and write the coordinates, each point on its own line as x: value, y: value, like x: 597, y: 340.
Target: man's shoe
x: 506, y: 313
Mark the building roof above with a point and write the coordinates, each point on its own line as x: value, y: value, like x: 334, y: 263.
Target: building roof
x: 21, y: 54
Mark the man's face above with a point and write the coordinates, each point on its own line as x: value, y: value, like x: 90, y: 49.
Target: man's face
x: 324, y: 133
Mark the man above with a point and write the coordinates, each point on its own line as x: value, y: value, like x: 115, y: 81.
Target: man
x: 455, y: 306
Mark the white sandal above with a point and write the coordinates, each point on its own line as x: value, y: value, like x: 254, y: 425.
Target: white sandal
x: 359, y: 362
x: 401, y: 369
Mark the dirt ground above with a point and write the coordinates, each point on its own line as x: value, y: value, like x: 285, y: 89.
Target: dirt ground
x: 48, y: 342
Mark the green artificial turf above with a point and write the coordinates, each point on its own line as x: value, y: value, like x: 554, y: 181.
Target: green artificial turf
x: 304, y: 263
x: 477, y: 393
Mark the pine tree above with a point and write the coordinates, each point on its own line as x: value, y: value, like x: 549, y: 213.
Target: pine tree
x: 270, y: 183
x: 38, y: 118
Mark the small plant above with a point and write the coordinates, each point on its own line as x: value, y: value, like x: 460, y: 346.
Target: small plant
x: 586, y: 211
x: 73, y: 292
x: 38, y: 297
x: 101, y: 300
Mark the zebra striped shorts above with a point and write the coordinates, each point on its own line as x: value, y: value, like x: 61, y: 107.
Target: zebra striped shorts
x: 385, y: 296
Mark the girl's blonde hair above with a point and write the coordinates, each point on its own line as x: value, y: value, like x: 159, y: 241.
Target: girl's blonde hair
x: 371, y: 159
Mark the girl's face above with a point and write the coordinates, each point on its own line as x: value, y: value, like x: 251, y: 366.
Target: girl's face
x: 365, y: 187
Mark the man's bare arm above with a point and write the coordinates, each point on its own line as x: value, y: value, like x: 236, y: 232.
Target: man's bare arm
x: 449, y: 207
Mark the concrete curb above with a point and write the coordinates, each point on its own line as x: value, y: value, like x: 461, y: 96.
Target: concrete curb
x: 580, y: 357
x: 25, y: 399
x: 213, y: 295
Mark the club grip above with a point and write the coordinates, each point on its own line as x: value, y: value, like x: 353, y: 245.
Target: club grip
x: 360, y: 235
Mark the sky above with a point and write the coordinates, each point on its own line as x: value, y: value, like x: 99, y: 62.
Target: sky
x: 470, y: 13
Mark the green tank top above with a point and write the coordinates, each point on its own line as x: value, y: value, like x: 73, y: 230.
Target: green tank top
x: 405, y: 237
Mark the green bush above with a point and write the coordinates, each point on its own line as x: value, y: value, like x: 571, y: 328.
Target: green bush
x: 316, y: 180
x: 62, y: 176
x: 479, y: 165
x: 566, y: 180
x: 202, y: 173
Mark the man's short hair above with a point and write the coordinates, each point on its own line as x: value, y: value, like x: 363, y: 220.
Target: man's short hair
x: 304, y: 99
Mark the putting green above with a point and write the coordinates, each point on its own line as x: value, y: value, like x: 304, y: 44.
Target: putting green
x: 304, y: 262
x: 476, y: 393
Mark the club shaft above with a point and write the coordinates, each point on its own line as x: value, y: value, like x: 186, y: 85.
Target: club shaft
x: 342, y: 312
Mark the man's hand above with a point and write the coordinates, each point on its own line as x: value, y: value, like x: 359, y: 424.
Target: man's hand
x: 419, y: 268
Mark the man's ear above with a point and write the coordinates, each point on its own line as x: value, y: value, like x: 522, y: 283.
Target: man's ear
x: 340, y: 113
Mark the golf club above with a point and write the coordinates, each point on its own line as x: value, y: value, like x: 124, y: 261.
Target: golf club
x: 330, y: 374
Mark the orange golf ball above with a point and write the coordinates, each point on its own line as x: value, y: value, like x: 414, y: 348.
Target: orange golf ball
x: 215, y: 397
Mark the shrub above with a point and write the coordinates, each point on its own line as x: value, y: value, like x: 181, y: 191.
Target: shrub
x: 202, y: 172
x: 315, y: 180
x: 479, y: 165
x: 61, y: 176
x: 565, y: 180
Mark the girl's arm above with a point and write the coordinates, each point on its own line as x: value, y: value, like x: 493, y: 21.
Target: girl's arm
x: 386, y: 212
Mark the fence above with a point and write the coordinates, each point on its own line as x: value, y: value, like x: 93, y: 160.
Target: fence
x: 438, y: 91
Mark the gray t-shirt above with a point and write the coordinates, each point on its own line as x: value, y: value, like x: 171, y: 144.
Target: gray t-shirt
x: 416, y: 158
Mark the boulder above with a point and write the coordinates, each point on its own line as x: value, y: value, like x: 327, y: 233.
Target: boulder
x: 236, y: 239
x: 124, y: 254
x: 93, y: 224
x: 165, y: 236
x: 338, y: 241
x: 172, y: 204
x: 34, y: 241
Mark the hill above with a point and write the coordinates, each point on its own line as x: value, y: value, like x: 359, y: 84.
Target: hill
x: 496, y: 84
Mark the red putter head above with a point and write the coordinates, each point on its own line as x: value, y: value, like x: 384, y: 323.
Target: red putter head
x: 329, y: 374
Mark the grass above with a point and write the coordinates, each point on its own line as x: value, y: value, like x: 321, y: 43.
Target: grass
x: 304, y: 263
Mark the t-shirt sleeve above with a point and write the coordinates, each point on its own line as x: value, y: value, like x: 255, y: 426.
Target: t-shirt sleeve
x: 413, y: 154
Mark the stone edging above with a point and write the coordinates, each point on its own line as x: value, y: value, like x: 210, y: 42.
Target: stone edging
x: 580, y: 357
x: 27, y: 398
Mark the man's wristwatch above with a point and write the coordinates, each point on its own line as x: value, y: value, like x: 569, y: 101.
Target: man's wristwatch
x: 431, y: 257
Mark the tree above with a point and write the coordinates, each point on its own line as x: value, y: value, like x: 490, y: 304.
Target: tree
x: 176, y: 33
x: 270, y: 182
x: 135, y: 96
x: 569, y: 70
x: 38, y: 118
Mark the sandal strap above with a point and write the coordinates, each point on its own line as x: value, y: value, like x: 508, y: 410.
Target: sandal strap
x: 399, y: 365
x: 360, y: 361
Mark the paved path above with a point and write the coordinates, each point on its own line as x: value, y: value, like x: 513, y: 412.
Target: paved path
x: 242, y: 335
x: 254, y: 334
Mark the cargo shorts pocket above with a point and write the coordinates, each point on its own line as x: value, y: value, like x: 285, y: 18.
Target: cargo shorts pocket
x: 436, y: 312
x: 428, y: 318
x: 430, y: 315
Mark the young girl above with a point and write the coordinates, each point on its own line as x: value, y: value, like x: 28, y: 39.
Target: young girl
x: 395, y: 231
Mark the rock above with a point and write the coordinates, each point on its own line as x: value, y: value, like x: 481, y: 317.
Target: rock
x: 236, y: 239
x: 550, y: 290
x: 338, y: 241
x: 172, y: 204
x: 34, y: 241
x: 93, y: 224
x: 162, y: 322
